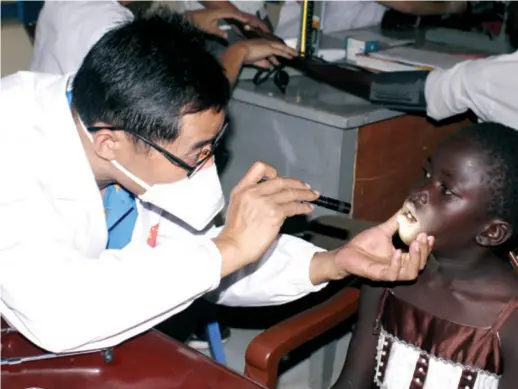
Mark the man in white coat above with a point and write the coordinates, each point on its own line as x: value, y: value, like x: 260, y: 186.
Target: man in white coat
x: 66, y: 30
x: 145, y: 111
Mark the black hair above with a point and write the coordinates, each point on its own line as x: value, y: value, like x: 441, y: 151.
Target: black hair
x: 144, y: 75
x: 499, y: 145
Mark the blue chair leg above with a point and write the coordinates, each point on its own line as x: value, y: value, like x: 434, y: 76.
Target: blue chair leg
x: 215, y: 343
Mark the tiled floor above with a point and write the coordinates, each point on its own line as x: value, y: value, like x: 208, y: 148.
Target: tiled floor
x: 295, y: 378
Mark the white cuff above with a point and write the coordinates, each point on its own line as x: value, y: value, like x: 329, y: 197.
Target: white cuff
x: 302, y: 253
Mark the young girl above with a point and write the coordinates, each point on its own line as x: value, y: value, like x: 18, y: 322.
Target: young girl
x: 456, y: 326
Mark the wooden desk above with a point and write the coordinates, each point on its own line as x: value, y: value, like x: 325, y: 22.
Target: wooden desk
x: 150, y: 361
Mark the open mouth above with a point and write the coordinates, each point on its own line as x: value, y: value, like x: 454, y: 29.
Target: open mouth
x: 409, y: 213
x: 409, y: 224
x: 410, y: 217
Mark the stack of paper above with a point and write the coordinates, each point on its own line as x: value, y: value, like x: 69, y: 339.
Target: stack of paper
x: 419, y: 58
x: 378, y: 64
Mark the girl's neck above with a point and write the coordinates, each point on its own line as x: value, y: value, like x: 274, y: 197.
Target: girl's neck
x: 477, y: 263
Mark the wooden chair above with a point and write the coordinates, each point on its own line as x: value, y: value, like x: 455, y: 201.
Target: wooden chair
x: 266, y: 351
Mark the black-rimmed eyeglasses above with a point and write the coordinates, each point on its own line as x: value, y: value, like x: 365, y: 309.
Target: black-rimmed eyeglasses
x: 205, y: 154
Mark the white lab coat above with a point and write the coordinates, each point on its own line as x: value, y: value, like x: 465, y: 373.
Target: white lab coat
x: 59, y: 286
x: 486, y: 86
x: 337, y: 16
x: 66, y: 30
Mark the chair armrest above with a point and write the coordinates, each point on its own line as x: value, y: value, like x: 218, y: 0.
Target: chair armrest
x: 266, y: 350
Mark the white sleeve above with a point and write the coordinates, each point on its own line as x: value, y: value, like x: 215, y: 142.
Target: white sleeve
x: 485, y: 86
x: 66, y: 31
x: 64, y: 300
x: 280, y: 276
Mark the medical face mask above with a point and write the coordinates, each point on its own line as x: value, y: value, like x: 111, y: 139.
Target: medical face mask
x: 195, y: 200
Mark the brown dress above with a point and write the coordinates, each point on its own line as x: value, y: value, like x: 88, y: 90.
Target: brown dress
x: 417, y: 350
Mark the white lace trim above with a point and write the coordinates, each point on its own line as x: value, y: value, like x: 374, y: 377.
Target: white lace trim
x: 385, y: 335
x: 379, y: 348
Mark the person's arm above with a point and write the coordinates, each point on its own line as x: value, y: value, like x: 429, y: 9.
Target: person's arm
x: 252, y: 51
x: 288, y: 271
x: 62, y: 300
x: 64, y: 292
x: 292, y: 267
x: 486, y: 86
x: 232, y: 60
x: 208, y: 19
x: 509, y: 344
x: 426, y: 7
x: 226, y: 5
x: 358, y: 370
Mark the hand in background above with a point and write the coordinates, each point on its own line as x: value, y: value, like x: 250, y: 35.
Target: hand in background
x: 253, y: 21
x: 207, y: 19
x: 262, y: 52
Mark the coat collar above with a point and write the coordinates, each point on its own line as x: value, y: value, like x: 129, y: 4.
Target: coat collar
x: 65, y: 149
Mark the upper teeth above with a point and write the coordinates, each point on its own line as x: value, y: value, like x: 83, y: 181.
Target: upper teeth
x: 409, y: 216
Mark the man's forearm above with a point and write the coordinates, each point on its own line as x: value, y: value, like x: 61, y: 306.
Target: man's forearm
x: 231, y: 261
x: 323, y: 268
x: 232, y: 60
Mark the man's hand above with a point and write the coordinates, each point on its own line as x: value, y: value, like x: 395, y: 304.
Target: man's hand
x: 256, y: 213
x: 262, y: 52
x: 207, y: 19
x: 253, y: 21
x: 371, y: 254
